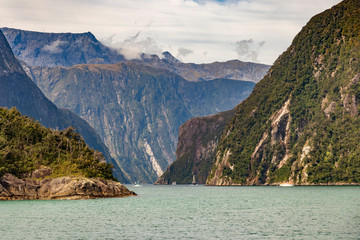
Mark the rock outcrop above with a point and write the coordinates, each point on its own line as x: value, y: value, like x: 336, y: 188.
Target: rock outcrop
x: 13, y: 188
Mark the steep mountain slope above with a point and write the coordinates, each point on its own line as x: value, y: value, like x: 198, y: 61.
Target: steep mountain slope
x: 17, y: 90
x: 301, y: 123
x: 198, y: 139
x: 59, y: 49
x: 68, y: 49
x: 137, y: 109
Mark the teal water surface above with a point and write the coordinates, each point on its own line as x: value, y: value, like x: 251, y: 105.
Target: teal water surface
x: 191, y: 212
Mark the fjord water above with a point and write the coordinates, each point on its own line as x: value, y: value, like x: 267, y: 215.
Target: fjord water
x: 191, y: 212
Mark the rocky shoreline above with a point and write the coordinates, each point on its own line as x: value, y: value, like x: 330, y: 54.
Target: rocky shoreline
x: 13, y: 188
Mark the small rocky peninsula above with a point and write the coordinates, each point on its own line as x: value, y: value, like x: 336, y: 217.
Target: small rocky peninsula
x: 13, y: 188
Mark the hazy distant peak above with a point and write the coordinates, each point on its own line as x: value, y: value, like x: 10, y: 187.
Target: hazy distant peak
x: 168, y: 56
x: 22, y: 34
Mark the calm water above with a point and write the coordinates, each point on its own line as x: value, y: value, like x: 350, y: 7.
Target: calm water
x: 191, y: 212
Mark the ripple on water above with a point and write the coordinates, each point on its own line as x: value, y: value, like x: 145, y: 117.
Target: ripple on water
x: 191, y: 212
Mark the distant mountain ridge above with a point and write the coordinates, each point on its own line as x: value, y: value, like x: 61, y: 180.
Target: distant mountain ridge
x: 18, y: 90
x: 68, y: 49
x: 232, y: 69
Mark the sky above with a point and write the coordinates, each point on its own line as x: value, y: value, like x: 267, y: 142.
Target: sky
x: 199, y: 31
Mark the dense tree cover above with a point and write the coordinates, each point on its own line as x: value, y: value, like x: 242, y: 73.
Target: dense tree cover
x: 320, y: 68
x: 25, y: 145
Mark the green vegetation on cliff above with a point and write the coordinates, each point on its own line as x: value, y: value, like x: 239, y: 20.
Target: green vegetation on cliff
x: 25, y: 145
x: 301, y: 123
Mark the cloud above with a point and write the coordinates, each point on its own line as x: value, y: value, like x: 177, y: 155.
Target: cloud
x: 183, y: 52
x: 54, y: 47
x: 134, y: 46
x: 248, y: 49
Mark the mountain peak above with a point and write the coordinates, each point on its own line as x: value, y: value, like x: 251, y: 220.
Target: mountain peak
x: 8, y: 63
x: 59, y: 49
x: 168, y: 56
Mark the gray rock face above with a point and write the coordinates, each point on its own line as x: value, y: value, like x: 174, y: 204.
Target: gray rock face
x: 17, y: 90
x: 12, y: 188
x: 8, y: 63
x: 41, y: 173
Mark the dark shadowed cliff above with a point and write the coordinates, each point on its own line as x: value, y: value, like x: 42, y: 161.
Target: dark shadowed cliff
x: 198, y: 139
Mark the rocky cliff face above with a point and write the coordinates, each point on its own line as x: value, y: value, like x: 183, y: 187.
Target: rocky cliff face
x: 137, y: 109
x: 17, y: 90
x: 12, y: 188
x: 198, y: 139
x: 301, y: 122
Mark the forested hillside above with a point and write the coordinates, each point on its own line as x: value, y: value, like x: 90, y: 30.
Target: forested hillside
x: 25, y: 146
x: 301, y: 123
